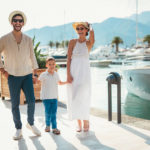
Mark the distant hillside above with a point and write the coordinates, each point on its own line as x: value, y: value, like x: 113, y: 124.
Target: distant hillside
x: 125, y: 28
x: 55, y: 33
x: 104, y: 31
x: 143, y: 17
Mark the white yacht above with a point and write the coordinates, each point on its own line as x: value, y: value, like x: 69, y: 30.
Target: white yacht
x: 103, y: 52
x: 60, y: 53
x: 100, y: 63
x: 102, y: 56
x: 137, y: 77
x: 133, y: 52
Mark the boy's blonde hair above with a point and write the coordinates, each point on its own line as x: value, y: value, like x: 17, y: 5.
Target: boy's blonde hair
x: 50, y: 59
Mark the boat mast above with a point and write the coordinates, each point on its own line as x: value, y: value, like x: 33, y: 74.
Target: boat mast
x: 136, y: 23
x: 64, y: 27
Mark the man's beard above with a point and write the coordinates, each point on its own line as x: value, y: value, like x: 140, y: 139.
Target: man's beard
x: 17, y: 29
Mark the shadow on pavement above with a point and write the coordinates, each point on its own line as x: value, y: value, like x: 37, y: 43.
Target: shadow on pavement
x: 22, y: 144
x: 91, y: 142
x: 140, y: 134
x: 37, y: 143
x: 62, y: 143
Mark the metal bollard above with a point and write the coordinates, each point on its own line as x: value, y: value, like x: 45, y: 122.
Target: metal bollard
x: 114, y: 78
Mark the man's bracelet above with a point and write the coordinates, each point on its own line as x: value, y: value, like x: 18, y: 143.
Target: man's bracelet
x: 36, y: 75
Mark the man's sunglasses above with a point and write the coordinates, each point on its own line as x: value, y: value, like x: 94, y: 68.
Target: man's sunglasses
x: 17, y: 20
x: 79, y: 29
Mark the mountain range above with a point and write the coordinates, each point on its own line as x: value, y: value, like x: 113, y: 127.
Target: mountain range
x: 104, y: 31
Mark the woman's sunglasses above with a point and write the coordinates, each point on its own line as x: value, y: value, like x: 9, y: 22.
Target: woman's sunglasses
x: 17, y: 20
x: 79, y: 29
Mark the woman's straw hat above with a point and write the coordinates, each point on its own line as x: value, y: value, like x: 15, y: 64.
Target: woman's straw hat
x: 17, y: 12
x: 85, y: 24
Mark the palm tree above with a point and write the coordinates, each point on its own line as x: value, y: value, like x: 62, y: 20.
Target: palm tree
x: 39, y: 57
x: 62, y: 44
x: 66, y: 43
x: 117, y: 40
x: 51, y: 44
x: 57, y: 44
x: 36, y: 51
x: 147, y: 39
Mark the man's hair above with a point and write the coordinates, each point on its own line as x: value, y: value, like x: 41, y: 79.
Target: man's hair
x: 16, y: 16
x: 50, y: 59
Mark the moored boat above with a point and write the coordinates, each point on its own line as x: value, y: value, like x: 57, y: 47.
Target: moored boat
x: 137, y: 79
x: 100, y: 63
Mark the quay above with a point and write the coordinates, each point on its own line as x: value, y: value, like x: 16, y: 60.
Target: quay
x: 103, y: 135
x: 61, y: 62
x: 98, y: 63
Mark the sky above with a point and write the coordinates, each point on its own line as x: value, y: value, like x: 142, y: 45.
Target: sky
x: 57, y: 12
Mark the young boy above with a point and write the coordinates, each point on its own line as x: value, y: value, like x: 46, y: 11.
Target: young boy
x: 49, y: 93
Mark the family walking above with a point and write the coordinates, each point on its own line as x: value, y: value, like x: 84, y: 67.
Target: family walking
x: 18, y: 64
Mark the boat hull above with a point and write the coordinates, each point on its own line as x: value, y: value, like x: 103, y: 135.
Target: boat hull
x: 100, y: 63
x: 138, y: 82
x: 59, y: 56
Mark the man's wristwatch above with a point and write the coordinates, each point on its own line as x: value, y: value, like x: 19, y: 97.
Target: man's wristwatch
x: 35, y: 75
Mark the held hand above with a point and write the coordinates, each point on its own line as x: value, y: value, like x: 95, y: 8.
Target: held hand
x: 34, y: 80
x: 69, y: 79
x: 6, y: 74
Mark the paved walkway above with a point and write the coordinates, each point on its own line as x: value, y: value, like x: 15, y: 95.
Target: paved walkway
x: 103, y: 135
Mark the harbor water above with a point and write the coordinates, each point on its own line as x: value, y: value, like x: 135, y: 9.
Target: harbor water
x: 130, y: 104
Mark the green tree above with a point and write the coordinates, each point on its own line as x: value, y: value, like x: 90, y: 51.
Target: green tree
x: 39, y: 57
x: 147, y: 39
x: 57, y: 44
x: 66, y: 43
x: 62, y: 44
x: 51, y: 44
x: 117, y: 40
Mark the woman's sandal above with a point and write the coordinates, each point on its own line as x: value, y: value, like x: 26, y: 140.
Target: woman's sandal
x: 79, y: 129
x: 56, y: 131
x: 86, y: 127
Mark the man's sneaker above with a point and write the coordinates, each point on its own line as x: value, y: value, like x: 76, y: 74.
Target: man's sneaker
x: 18, y: 134
x: 33, y: 129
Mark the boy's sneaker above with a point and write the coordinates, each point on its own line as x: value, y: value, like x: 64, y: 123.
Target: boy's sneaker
x: 18, y: 134
x: 33, y: 129
x: 47, y: 129
x: 56, y: 131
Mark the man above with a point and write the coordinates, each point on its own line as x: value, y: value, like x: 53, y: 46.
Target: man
x: 19, y: 62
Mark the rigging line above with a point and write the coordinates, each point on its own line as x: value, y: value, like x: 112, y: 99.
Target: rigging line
x: 136, y: 22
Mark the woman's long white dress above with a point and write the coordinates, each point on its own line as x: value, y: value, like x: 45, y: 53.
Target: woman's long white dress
x: 79, y: 91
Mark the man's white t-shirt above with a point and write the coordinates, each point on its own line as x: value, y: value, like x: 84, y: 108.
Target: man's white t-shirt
x: 49, y: 85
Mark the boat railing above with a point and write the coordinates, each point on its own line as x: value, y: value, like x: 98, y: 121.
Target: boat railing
x: 138, y: 61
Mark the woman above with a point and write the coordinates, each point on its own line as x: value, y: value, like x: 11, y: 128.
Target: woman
x: 78, y: 75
